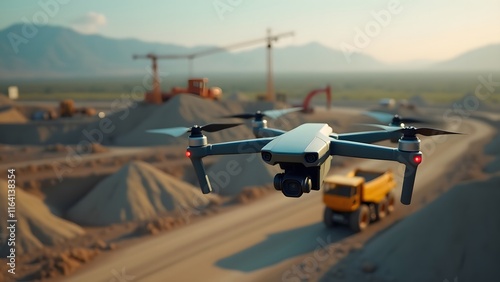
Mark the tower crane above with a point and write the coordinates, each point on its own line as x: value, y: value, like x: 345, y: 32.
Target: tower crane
x: 269, y: 40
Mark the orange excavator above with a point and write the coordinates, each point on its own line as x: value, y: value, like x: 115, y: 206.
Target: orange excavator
x: 327, y: 90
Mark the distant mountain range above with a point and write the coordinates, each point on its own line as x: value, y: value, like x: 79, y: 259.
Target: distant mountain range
x: 484, y: 58
x: 57, y: 51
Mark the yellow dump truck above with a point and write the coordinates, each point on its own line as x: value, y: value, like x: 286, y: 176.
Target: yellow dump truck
x: 358, y: 198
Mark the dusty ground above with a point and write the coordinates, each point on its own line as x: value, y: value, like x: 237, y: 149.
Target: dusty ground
x: 455, y: 238
x: 271, y: 239
x: 61, y: 174
x: 38, y: 175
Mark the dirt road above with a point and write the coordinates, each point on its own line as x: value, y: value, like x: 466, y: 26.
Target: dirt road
x: 267, y: 239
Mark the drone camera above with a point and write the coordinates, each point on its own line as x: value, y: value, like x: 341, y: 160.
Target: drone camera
x: 278, y: 179
x: 292, y: 185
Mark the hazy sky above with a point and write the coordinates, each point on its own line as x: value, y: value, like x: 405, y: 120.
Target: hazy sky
x: 406, y: 30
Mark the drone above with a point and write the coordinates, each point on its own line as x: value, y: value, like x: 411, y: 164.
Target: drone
x: 304, y: 153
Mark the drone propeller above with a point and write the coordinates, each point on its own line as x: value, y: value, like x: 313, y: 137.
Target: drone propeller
x: 178, y: 131
x: 426, y: 131
x: 411, y: 131
x: 394, y: 120
x: 269, y: 113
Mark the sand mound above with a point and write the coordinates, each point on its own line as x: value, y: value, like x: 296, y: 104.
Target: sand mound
x: 183, y: 110
x: 8, y: 111
x: 9, y: 114
x: 4, y: 100
x: 455, y: 236
x: 138, y: 191
x: 36, y: 225
x: 231, y: 174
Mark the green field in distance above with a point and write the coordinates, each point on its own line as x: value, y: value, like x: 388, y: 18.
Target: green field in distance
x: 436, y: 87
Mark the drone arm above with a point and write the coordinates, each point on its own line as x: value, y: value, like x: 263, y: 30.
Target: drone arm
x: 197, y: 153
x: 369, y: 136
x: 238, y: 147
x: 411, y: 159
x: 228, y: 148
x: 268, y: 132
x: 408, y: 182
x: 202, y: 176
x: 361, y: 150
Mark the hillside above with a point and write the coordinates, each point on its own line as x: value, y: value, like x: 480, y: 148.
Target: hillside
x: 484, y: 58
x: 58, y: 51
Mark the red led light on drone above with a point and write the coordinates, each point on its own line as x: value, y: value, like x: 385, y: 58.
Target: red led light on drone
x: 417, y: 159
x: 188, y: 154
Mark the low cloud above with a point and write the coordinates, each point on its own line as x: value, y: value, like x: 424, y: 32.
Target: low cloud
x: 90, y: 22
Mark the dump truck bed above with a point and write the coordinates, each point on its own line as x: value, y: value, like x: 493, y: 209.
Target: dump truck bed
x: 377, y: 184
x: 357, y: 198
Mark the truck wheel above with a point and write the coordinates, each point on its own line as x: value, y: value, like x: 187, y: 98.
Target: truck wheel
x: 381, y: 209
x: 360, y: 219
x: 328, y: 217
x: 391, y: 202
